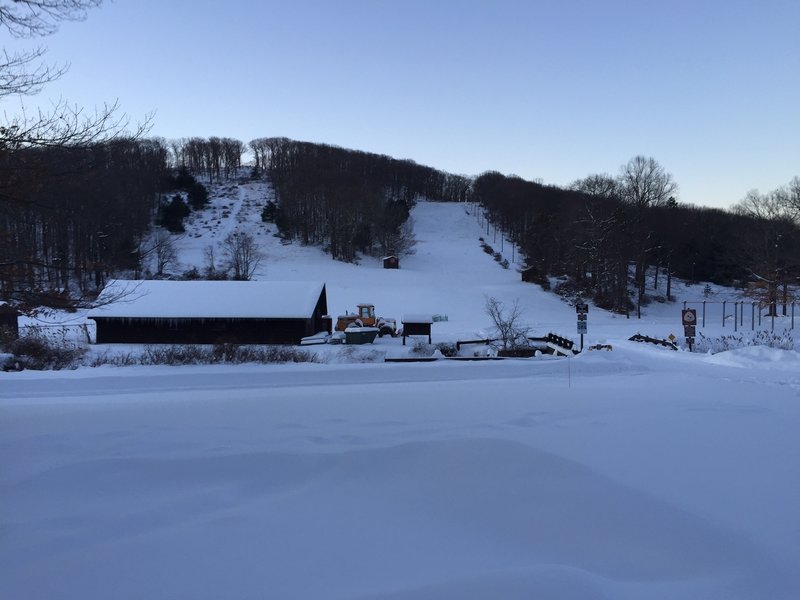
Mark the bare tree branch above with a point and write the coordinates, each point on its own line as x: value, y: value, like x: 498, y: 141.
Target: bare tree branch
x: 23, y: 73
x: 38, y: 18
x: 68, y: 125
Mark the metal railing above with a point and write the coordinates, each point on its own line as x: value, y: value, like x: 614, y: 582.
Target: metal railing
x: 742, y: 311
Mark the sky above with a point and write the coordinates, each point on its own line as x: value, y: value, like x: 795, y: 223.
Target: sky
x: 547, y: 90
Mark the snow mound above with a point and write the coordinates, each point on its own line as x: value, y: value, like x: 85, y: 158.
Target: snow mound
x: 758, y: 356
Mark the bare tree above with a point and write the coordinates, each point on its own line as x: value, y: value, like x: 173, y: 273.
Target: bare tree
x: 598, y: 186
x: 160, y: 248
x: 243, y: 254
x: 794, y: 197
x: 400, y: 242
x: 166, y: 254
x: 645, y: 183
x: 508, y: 327
x: 25, y: 73
x: 210, y: 262
x: 768, y: 251
x: 785, y: 201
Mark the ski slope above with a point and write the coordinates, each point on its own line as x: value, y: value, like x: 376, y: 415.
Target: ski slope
x: 449, y: 274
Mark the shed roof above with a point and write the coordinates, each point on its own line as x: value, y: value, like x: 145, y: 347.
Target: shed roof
x: 417, y: 318
x: 208, y: 299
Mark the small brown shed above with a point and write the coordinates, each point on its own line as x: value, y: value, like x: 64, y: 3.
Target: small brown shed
x: 391, y: 262
x: 533, y: 274
x: 530, y: 274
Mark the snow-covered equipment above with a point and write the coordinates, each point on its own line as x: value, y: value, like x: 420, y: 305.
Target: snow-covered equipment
x: 317, y: 338
x: 650, y: 340
x: 360, y: 335
x: 606, y: 347
x: 365, y: 317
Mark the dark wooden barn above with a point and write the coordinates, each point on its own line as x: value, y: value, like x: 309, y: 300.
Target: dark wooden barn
x: 391, y: 262
x: 210, y: 312
x: 9, y: 321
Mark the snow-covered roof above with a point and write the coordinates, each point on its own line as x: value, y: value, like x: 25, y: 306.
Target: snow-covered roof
x: 417, y: 318
x: 208, y: 299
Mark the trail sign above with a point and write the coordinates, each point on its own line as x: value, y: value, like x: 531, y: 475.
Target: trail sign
x: 582, y: 309
x: 689, y: 319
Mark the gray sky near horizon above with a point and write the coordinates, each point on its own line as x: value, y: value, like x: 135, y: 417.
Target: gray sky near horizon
x: 550, y: 90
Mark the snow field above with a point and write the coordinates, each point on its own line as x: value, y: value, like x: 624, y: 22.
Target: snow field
x: 636, y: 477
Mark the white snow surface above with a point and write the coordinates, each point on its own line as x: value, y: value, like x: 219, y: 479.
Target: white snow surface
x: 636, y: 473
x: 626, y: 474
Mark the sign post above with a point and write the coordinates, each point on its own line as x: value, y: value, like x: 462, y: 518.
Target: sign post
x: 582, y: 310
x: 689, y: 319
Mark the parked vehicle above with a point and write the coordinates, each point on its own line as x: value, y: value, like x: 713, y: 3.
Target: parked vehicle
x: 365, y: 317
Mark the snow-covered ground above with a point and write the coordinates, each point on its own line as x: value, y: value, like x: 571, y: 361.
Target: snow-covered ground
x: 635, y: 473
x: 632, y: 473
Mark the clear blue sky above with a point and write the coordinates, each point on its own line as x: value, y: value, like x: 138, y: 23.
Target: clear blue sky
x: 543, y: 89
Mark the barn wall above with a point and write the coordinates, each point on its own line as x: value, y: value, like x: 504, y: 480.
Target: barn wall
x: 201, y: 331
x: 416, y: 328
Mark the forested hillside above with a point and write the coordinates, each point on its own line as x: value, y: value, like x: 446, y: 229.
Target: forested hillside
x: 72, y: 216
x: 606, y: 233
x: 349, y: 201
